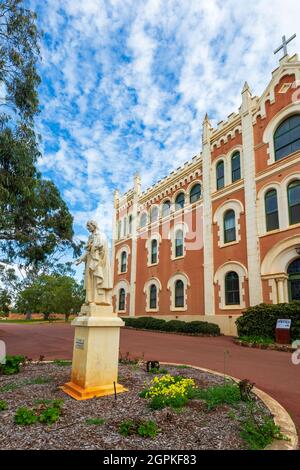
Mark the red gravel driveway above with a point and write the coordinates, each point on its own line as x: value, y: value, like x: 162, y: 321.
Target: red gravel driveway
x: 272, y: 371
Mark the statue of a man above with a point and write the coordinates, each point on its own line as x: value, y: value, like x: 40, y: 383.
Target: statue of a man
x: 97, y: 277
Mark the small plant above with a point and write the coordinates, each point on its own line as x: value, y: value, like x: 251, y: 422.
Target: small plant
x: 8, y: 388
x: 60, y: 362
x: 218, y: 395
x: 129, y: 427
x: 3, y: 405
x: 50, y: 415
x: 95, y: 421
x: 259, y: 435
x: 148, y: 429
x: 39, y: 380
x: 25, y: 417
x: 12, y: 365
x: 257, y: 339
x: 156, y: 371
x: 168, y: 390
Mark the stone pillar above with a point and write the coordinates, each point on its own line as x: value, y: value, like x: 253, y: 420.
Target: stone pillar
x: 253, y: 256
x: 280, y: 290
x: 209, y: 300
x: 136, y: 194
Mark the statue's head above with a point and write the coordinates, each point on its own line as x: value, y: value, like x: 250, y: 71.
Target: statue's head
x: 91, y: 225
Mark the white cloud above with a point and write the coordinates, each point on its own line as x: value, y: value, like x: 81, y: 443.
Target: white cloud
x: 126, y: 85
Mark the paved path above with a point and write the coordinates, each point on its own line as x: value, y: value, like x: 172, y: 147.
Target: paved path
x: 272, y: 371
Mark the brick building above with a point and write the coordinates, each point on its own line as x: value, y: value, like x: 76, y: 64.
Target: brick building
x: 222, y: 232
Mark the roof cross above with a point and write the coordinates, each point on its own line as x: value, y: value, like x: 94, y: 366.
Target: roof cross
x: 284, y: 44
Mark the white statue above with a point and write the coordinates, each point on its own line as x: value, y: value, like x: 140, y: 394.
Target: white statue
x: 97, y: 277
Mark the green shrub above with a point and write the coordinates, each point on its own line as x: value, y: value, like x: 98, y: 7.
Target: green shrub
x: 95, y: 421
x: 12, y: 365
x: 127, y: 427
x: 3, y: 405
x: 148, y: 429
x: 25, y: 416
x: 60, y: 362
x: 176, y: 326
x: 50, y: 415
x: 217, y: 395
x: 257, y: 340
x: 258, y: 436
x: 261, y: 320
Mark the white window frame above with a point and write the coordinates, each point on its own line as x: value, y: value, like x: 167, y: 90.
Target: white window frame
x: 148, y: 246
x: 238, y: 208
x: 147, y: 286
x: 219, y: 279
x: 123, y: 284
x: 268, y: 136
x: 119, y: 258
x: 171, y: 287
x: 172, y: 234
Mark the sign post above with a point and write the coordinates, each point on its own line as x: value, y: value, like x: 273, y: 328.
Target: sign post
x: 283, y: 335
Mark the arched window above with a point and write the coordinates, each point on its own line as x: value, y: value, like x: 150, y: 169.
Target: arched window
x: 165, y: 208
x: 153, y: 296
x: 179, y: 294
x: 119, y: 229
x: 287, y: 137
x: 154, y: 214
x: 143, y: 220
x: 179, y: 201
x: 125, y: 227
x: 271, y: 209
x: 130, y: 225
x: 294, y: 202
x: 123, y: 262
x: 232, y: 288
x: 195, y: 193
x: 220, y: 175
x: 294, y: 280
x: 229, y: 226
x: 122, y: 299
x: 154, y: 251
x: 236, y: 167
x: 179, y: 243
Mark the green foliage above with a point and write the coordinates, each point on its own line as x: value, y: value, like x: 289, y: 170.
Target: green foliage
x: 12, y: 365
x: 5, y: 301
x: 176, y: 326
x: 50, y: 415
x: 62, y: 363
x: 257, y: 340
x: 148, y: 429
x: 130, y: 427
x: 95, y: 421
x: 8, y: 388
x: 259, y: 435
x: 40, y: 380
x: 3, y: 405
x: 25, y: 417
x: 127, y: 427
x: 168, y: 390
x: 218, y: 395
x: 51, y: 294
x: 261, y: 320
x: 34, y: 220
x: 156, y: 371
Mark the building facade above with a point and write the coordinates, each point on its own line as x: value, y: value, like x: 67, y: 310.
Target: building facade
x: 222, y: 232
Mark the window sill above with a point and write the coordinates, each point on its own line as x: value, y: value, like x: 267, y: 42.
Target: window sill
x: 178, y: 257
x: 178, y: 309
x: 232, y: 307
x: 280, y: 230
x: 152, y: 310
x: 224, y: 245
x: 152, y: 264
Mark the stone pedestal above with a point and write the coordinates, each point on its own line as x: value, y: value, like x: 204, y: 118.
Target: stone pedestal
x: 95, y: 353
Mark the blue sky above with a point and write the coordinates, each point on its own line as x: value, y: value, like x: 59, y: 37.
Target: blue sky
x: 126, y: 84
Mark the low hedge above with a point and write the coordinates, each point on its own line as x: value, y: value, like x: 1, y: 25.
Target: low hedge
x: 261, y: 320
x: 176, y: 326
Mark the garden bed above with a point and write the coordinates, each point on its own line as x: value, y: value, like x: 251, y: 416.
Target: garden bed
x: 272, y: 346
x: 97, y: 423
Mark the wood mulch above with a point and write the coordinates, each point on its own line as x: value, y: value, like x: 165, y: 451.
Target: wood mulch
x: 193, y: 427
